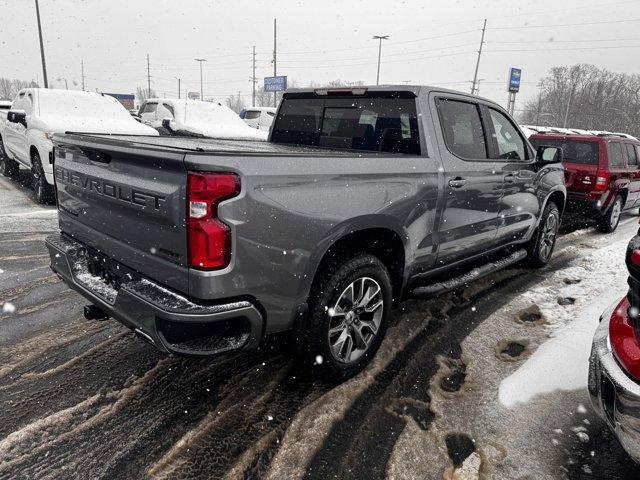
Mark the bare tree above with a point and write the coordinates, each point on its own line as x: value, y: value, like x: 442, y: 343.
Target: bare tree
x: 589, y: 97
x: 235, y: 103
x: 143, y: 94
x: 9, y: 88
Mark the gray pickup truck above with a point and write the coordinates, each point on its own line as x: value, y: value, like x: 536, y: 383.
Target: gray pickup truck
x: 361, y: 198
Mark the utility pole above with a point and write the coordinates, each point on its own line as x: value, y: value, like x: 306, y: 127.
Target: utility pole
x: 380, y: 38
x: 44, y: 64
x: 475, y: 75
x: 275, y: 58
x: 566, y: 113
x: 200, y: 60
x: 254, y: 80
x: 148, y: 78
x: 82, y: 69
x: 540, y: 85
x: 178, y: 86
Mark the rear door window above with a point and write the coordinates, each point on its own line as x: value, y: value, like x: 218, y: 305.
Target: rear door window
x: 632, y: 155
x: 371, y: 124
x: 462, y: 129
x: 150, y: 108
x: 574, y: 151
x: 616, y: 158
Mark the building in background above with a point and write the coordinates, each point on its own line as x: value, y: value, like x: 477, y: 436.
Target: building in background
x: 126, y: 99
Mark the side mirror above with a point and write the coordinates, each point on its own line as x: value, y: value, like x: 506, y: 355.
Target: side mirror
x: 17, y: 116
x: 547, y: 154
x: 166, y: 123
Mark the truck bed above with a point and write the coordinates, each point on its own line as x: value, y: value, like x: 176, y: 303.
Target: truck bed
x: 213, y: 146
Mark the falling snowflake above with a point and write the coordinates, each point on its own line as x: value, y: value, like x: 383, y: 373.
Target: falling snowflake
x: 269, y: 417
x: 8, y: 307
x: 319, y: 359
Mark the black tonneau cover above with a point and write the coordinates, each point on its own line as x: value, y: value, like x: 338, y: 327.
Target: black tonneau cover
x: 211, y: 145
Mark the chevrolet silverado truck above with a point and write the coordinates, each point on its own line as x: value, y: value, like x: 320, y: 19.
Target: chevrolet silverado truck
x: 361, y: 198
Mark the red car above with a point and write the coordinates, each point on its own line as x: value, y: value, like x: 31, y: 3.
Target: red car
x: 602, y: 174
x: 614, y: 364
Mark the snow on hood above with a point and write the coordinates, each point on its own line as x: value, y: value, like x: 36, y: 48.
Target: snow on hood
x: 60, y: 111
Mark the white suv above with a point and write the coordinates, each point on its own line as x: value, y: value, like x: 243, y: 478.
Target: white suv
x: 37, y: 113
x: 258, y: 117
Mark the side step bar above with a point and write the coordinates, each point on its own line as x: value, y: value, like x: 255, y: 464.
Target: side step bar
x: 437, y: 288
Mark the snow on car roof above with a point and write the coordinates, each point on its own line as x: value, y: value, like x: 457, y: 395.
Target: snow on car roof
x: 77, y: 103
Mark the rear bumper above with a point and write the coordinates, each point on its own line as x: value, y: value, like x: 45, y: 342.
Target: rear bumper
x: 165, y: 318
x: 587, y: 204
x: 614, y: 395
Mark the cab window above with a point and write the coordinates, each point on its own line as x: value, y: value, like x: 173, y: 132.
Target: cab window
x: 510, y: 144
x: 462, y: 129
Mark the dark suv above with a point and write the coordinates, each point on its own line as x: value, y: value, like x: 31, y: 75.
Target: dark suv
x: 602, y: 174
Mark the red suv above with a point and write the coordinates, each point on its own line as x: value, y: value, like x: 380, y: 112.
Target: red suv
x: 602, y: 174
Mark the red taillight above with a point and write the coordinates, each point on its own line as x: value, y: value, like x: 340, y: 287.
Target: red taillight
x: 635, y: 258
x: 209, y: 239
x: 602, y: 181
x: 624, y: 343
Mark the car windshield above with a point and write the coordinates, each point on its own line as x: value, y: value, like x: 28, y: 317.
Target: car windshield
x: 575, y: 151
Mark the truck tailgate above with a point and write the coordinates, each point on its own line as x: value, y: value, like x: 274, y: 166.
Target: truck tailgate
x: 129, y: 205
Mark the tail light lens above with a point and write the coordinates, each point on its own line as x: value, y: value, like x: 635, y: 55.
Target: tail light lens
x: 602, y: 181
x: 624, y: 342
x: 209, y: 238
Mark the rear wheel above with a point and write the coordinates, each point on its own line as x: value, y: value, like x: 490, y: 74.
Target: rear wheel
x: 543, y: 241
x: 608, y: 222
x: 8, y: 167
x: 349, y: 310
x: 44, y: 192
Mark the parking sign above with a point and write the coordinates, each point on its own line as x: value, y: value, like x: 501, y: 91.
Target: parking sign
x: 275, y: 84
x: 514, y: 79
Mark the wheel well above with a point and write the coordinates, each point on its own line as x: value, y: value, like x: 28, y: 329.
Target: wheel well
x: 558, y: 199
x: 623, y: 193
x: 381, y: 242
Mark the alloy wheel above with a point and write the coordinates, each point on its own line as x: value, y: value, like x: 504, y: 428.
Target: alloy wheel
x: 355, y: 319
x: 548, y: 237
x: 616, y: 209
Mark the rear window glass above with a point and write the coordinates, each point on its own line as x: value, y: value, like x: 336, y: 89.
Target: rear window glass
x: 574, y: 151
x: 251, y: 114
x: 371, y: 124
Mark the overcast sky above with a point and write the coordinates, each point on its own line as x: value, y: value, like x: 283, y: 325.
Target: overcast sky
x: 431, y: 42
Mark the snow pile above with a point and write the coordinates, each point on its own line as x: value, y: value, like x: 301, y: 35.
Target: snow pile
x: 562, y: 362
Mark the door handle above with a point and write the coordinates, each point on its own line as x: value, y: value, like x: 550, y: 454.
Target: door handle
x: 510, y: 178
x: 457, y: 182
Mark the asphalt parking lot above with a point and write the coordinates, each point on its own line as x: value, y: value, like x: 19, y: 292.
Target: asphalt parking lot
x: 85, y: 399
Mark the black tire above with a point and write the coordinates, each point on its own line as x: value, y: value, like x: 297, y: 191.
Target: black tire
x: 608, y: 222
x: 8, y: 168
x: 541, y: 245
x: 45, y: 194
x: 319, y: 346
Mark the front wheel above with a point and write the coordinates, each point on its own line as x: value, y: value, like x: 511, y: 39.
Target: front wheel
x: 608, y: 222
x: 349, y: 310
x: 543, y: 241
x: 44, y: 192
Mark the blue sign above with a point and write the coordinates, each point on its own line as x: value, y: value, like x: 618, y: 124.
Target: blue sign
x: 514, y: 79
x: 275, y: 84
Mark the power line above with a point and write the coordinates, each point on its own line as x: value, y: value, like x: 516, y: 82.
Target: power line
x: 567, y: 24
x: 562, y: 49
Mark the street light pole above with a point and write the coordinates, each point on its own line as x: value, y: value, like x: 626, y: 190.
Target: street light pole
x: 178, y: 86
x: 380, y: 38
x: 201, y: 91
x: 44, y: 64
